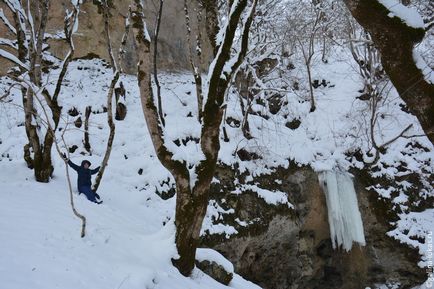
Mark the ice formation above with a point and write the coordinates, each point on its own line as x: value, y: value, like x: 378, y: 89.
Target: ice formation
x: 345, y: 221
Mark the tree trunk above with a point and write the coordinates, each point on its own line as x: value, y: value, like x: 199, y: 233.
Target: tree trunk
x: 190, y: 213
x: 312, y: 98
x: 86, y: 129
x: 395, y: 41
x: 42, y: 166
x: 212, y: 22
x: 111, y: 134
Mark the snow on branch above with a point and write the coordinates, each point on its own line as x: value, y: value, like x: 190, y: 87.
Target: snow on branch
x: 232, y: 65
x: 408, y: 15
x: 9, y: 56
x: 6, y: 22
x: 157, y: 82
x: 71, y: 21
x: 223, y: 67
x: 8, y: 42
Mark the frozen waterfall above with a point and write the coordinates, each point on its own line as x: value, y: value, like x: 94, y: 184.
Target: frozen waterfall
x: 345, y: 221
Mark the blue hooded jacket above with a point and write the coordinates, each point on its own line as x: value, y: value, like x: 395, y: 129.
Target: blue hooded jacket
x: 84, y: 175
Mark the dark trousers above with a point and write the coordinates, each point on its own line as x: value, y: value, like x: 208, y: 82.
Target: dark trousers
x: 87, y: 191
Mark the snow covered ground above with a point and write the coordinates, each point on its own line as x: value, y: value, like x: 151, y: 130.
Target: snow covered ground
x: 127, y: 244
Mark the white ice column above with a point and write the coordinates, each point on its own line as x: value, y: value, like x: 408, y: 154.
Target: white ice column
x: 345, y: 222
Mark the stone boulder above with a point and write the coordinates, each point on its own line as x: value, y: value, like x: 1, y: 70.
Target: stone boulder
x: 215, y: 265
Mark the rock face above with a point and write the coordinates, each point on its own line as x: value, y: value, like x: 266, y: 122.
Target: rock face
x: 291, y: 248
x: 90, y: 41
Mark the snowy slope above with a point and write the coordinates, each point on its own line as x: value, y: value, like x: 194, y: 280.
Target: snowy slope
x: 127, y: 245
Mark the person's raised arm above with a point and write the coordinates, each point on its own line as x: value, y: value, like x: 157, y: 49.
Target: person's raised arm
x: 72, y: 165
x: 94, y: 171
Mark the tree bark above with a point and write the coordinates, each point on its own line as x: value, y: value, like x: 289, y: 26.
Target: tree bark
x: 395, y: 41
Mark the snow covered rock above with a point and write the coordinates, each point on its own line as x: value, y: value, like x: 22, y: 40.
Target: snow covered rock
x: 215, y: 265
x: 276, y: 247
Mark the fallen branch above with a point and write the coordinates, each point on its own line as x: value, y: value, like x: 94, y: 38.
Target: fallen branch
x: 71, y: 196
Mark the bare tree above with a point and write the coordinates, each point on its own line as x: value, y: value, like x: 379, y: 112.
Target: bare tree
x: 376, y: 86
x: 28, y: 28
x: 307, y: 47
x: 192, y: 191
x: 304, y: 25
x: 395, y: 41
x: 117, y: 70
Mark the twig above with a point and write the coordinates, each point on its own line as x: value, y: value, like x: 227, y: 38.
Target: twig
x: 398, y: 136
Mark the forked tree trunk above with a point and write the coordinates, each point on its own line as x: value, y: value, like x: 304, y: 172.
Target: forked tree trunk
x: 395, y: 41
x: 42, y: 165
x: 32, y: 24
x: 191, y: 199
x: 190, y: 213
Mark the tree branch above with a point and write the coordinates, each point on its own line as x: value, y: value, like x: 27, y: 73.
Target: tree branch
x: 196, y: 71
x: 7, y: 23
x: 157, y: 83
x: 155, y: 128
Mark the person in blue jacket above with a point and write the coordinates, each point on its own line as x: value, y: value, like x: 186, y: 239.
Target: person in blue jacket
x: 84, y: 182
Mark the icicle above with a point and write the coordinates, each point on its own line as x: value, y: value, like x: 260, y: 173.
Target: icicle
x: 345, y: 221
